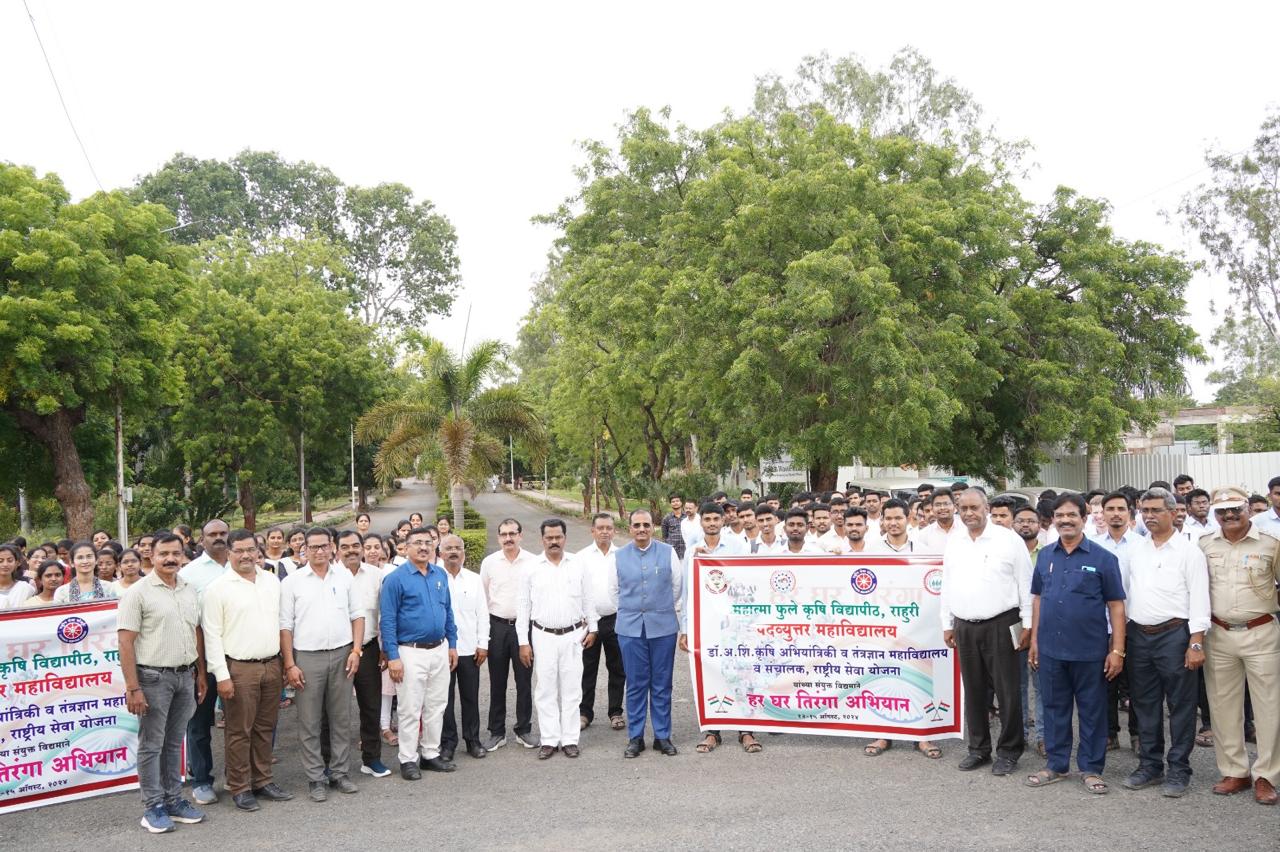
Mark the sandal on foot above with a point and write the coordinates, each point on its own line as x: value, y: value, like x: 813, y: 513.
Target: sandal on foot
x: 1095, y: 784
x: 1204, y: 739
x: 708, y: 745
x: 930, y: 751
x: 390, y: 738
x: 617, y: 723
x: 1044, y: 778
x: 749, y: 747
x: 873, y: 750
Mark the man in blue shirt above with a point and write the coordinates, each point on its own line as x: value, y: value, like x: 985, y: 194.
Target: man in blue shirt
x: 1075, y: 588
x: 416, y: 623
x: 646, y: 586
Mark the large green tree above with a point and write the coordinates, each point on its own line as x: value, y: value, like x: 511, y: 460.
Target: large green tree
x: 86, y: 317
x: 793, y: 282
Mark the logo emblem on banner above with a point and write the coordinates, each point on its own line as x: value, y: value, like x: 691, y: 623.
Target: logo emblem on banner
x: 783, y: 582
x: 933, y: 582
x: 72, y: 630
x: 863, y: 581
x: 716, y: 582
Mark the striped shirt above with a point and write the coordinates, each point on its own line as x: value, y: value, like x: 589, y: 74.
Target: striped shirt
x: 165, y: 620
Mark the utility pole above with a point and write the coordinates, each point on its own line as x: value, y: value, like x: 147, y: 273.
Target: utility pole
x: 122, y: 508
x: 302, y: 476
x: 355, y: 499
x: 24, y: 512
x: 511, y: 447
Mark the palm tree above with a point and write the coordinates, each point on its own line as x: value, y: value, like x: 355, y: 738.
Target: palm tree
x: 449, y: 419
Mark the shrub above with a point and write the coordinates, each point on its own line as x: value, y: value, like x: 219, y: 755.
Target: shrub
x: 476, y: 542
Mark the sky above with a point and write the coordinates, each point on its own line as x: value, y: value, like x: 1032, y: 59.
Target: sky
x: 480, y: 108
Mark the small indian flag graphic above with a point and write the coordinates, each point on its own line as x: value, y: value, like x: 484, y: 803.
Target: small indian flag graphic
x: 720, y: 703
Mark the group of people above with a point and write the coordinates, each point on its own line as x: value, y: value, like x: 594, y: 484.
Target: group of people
x: 1152, y: 587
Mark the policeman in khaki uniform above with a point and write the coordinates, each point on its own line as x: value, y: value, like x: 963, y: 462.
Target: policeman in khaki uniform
x: 1243, y: 645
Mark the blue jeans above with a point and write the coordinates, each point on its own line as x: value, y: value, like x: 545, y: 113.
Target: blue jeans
x: 1081, y: 686
x: 1027, y: 677
x: 649, y: 664
x: 171, y: 699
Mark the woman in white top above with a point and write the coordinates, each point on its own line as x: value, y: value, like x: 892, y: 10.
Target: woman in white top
x: 49, y: 577
x: 13, y: 589
x: 130, y: 571
x: 85, y: 585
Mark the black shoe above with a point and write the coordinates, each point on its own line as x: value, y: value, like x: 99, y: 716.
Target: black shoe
x: 446, y: 754
x: 318, y: 790
x: 1003, y: 766
x: 545, y: 752
x: 476, y: 750
x: 245, y: 801
x: 410, y: 772
x: 343, y: 784
x: 972, y: 762
x: 571, y: 750
x: 272, y: 793
x: 665, y: 746
x: 1141, y: 778
x: 634, y: 747
x: 437, y: 764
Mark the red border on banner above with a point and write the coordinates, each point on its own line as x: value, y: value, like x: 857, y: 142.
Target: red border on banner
x: 76, y: 792
x: 731, y: 721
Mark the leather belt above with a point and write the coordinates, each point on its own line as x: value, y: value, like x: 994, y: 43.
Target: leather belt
x: 1162, y: 627
x: 426, y: 646
x: 188, y: 667
x: 1005, y: 614
x: 559, y: 631
x: 275, y: 656
x: 510, y: 621
x: 1248, y: 625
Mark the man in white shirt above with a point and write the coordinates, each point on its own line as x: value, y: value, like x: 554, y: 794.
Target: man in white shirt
x: 240, y: 617
x: 934, y: 537
x: 471, y: 617
x: 690, y: 526
x: 712, y: 544
x: 200, y: 572
x: 829, y: 541
x: 321, y: 634
x: 555, y: 620
x: 986, y: 591
x: 766, y: 541
x: 1120, y: 538
x: 598, y: 559
x: 871, y: 501
x: 1199, y: 520
x: 1269, y: 521
x: 732, y: 523
x: 500, y: 574
x: 796, y: 527
x: 857, y: 538
x: 366, y: 586
x: 1168, y: 607
x: 893, y: 526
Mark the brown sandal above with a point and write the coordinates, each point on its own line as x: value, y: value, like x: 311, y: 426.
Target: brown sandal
x: 871, y: 749
x: 708, y: 744
x: 749, y: 747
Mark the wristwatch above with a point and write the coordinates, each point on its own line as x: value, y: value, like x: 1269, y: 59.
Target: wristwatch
x: 1196, y: 646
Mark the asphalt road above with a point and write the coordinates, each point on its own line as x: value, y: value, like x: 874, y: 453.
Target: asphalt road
x: 800, y: 792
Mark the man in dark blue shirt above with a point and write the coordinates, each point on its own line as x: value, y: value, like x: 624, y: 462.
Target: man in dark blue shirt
x: 1076, y: 587
x: 420, y: 641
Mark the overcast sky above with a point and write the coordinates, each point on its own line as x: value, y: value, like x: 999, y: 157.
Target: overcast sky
x: 479, y: 107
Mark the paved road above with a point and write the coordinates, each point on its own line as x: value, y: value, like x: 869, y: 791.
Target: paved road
x: 801, y: 792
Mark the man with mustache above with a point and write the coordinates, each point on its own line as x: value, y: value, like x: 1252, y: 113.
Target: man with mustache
x: 161, y: 650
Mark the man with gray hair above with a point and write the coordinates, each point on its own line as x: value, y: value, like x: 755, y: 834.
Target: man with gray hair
x: 1168, y: 608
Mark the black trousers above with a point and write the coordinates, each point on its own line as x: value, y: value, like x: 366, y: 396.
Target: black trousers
x: 989, y: 661
x: 1158, y: 674
x: 464, y: 681
x: 606, y: 639
x: 504, y: 654
x: 368, y: 688
x: 1117, y: 690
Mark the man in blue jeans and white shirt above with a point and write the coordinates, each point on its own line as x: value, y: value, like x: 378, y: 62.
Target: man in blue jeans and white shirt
x: 161, y: 651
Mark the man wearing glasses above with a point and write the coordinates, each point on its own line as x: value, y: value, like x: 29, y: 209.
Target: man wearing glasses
x: 1243, y: 645
x: 646, y: 586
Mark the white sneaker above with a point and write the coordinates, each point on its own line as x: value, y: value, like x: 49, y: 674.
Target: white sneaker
x: 204, y: 794
x: 494, y: 743
x: 526, y: 743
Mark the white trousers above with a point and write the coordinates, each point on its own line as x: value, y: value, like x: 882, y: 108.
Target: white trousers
x: 423, y: 693
x: 557, y: 665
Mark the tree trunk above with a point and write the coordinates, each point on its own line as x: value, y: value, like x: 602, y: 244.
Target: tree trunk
x: 55, y: 432
x: 248, y: 504
x: 457, y: 496
x: 822, y: 477
x: 1093, y: 470
x: 362, y: 499
x: 619, y: 499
